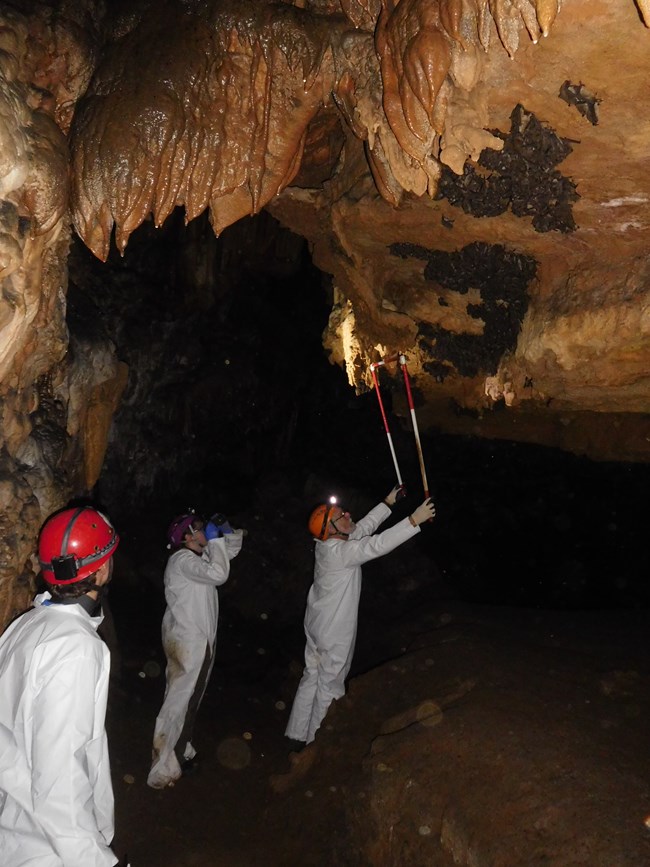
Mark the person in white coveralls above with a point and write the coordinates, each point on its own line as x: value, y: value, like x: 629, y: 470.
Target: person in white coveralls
x: 199, y: 564
x: 342, y: 547
x: 56, y: 796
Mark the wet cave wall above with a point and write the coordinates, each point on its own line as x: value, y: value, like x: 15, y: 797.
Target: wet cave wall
x: 232, y: 405
x: 468, y: 185
x: 218, y: 337
x: 441, y: 128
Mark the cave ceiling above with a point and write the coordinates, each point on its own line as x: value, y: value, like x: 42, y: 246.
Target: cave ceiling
x: 473, y: 174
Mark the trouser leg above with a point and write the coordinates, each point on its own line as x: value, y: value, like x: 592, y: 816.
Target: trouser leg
x: 330, y: 685
x: 194, y: 703
x: 183, y: 669
x: 298, y: 725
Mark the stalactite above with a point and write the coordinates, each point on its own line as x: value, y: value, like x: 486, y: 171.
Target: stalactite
x: 196, y: 124
x: 362, y: 13
x: 546, y: 13
x: 529, y: 17
x: 218, y: 116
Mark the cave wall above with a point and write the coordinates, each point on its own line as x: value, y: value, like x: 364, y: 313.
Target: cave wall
x: 471, y: 173
x: 58, y: 390
x: 416, y: 146
x: 219, y: 375
x: 559, y: 356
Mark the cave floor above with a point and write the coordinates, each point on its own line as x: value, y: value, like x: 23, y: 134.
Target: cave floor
x: 494, y: 736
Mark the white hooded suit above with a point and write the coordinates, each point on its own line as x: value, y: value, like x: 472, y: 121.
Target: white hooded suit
x: 189, y: 633
x: 331, y: 616
x: 56, y: 797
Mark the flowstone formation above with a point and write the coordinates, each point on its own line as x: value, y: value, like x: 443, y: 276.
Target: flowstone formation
x: 503, y: 138
x: 431, y: 125
x: 218, y: 117
x: 58, y: 390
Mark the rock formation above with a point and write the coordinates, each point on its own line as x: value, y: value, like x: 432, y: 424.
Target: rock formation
x: 472, y: 173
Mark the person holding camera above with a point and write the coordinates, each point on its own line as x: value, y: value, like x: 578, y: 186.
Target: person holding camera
x: 199, y: 564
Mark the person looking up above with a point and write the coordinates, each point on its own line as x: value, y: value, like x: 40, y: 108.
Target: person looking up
x: 200, y: 563
x: 56, y: 796
x: 342, y: 547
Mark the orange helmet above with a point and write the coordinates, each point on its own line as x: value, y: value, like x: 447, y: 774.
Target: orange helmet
x: 319, y: 521
x: 74, y: 543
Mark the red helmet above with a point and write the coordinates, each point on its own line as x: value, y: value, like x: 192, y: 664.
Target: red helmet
x: 74, y: 543
x: 319, y: 521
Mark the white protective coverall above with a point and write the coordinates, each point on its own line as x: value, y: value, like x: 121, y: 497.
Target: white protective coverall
x: 189, y: 634
x: 56, y: 796
x: 331, y: 616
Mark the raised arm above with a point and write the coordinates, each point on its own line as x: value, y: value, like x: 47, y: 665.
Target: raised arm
x: 355, y: 552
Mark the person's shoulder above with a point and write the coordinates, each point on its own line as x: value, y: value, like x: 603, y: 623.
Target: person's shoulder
x: 180, y: 555
x: 179, y: 565
x: 64, y: 637
x: 179, y: 552
x: 329, y: 549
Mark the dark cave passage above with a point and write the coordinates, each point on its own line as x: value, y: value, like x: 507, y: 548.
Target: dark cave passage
x: 446, y: 193
x: 233, y: 406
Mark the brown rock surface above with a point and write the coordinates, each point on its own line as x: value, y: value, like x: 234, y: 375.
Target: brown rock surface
x: 496, y: 737
x: 473, y: 174
x: 477, y: 191
x: 493, y: 147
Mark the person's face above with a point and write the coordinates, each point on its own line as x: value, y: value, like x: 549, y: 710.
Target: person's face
x: 102, y: 577
x: 195, y: 537
x: 342, y: 521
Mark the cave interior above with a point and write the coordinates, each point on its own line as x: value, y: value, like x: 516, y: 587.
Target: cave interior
x: 233, y: 405
x: 201, y: 255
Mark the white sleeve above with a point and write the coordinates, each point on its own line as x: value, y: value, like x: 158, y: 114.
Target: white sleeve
x: 234, y: 542
x: 211, y: 567
x: 355, y: 552
x: 65, y: 731
x: 369, y: 523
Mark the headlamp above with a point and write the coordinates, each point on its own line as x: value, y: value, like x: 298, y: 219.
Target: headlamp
x: 65, y: 568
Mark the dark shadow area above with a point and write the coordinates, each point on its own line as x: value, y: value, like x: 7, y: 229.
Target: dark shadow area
x: 233, y: 406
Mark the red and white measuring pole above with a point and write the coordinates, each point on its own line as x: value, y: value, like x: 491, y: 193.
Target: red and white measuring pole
x: 373, y: 371
x: 418, y: 444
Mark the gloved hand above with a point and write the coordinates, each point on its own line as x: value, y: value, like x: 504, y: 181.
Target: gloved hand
x: 212, y: 531
x: 221, y: 523
x: 397, y: 493
x: 423, y: 513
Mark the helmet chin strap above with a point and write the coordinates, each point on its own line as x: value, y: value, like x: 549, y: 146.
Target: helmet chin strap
x: 338, y: 532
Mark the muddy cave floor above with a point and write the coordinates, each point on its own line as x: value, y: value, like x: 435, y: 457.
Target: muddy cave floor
x: 470, y: 735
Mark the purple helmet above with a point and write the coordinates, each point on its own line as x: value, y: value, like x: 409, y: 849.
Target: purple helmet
x: 178, y: 528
